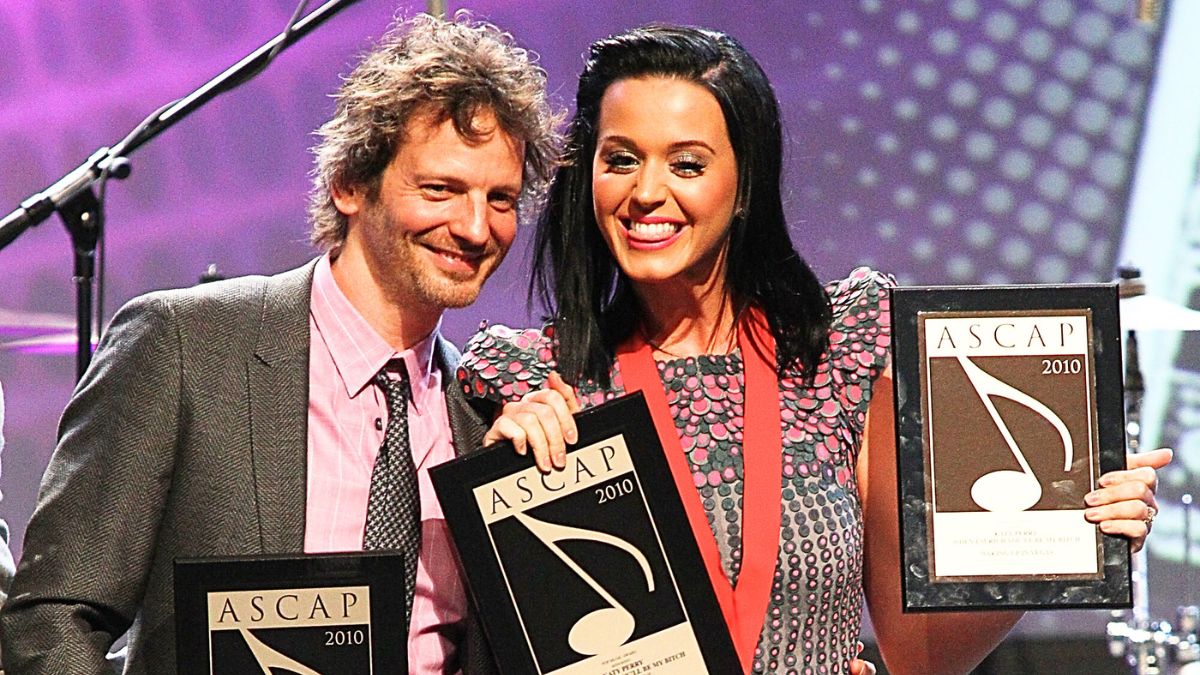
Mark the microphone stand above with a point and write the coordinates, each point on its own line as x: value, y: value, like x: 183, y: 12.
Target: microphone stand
x: 1141, y: 643
x: 74, y: 195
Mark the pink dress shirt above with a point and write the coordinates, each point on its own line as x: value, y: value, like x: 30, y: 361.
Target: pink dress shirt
x: 347, y: 415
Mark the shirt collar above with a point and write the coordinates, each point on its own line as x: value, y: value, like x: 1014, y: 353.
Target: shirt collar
x: 357, y: 350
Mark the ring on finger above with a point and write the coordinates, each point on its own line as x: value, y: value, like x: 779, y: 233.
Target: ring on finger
x: 1151, y: 512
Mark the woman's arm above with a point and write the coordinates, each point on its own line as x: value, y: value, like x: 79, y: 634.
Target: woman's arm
x: 923, y: 644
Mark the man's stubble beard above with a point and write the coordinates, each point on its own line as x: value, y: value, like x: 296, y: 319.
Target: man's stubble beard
x: 406, y: 275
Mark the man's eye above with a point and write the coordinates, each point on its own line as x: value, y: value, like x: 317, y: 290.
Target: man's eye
x: 435, y: 188
x: 503, y: 201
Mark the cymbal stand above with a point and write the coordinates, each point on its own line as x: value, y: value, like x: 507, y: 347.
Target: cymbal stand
x: 1187, y: 647
x: 1148, y: 647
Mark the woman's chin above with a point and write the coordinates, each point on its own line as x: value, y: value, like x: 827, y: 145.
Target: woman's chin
x: 653, y: 276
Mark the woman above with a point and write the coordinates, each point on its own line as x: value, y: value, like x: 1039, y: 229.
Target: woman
x: 665, y: 256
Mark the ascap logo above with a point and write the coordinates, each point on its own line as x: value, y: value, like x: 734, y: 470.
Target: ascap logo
x: 525, y: 489
x: 576, y: 471
x: 1007, y: 336
x: 291, y: 607
x: 993, y: 336
x: 320, y: 618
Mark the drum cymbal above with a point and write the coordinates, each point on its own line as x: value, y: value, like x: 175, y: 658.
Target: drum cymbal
x: 1147, y: 312
x: 15, y: 322
x: 51, y: 345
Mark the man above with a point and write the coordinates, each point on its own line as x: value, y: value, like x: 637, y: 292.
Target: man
x: 247, y: 416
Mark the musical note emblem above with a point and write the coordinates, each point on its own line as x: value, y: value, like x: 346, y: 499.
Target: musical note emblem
x: 268, y: 658
x: 605, y: 628
x: 1007, y: 490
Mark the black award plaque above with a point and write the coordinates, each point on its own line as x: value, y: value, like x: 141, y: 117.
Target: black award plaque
x: 325, y: 614
x: 1009, y: 407
x: 592, y: 569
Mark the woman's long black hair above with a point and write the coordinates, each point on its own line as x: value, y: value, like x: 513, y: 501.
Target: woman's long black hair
x: 575, y: 274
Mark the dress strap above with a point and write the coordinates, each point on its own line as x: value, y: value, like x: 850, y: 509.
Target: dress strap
x: 745, y: 606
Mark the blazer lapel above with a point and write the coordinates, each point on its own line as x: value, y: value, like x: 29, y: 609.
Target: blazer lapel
x: 277, y: 374
x: 467, y: 425
x: 467, y: 428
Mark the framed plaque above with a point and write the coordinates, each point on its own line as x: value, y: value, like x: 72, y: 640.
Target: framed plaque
x: 591, y: 569
x: 1009, y: 407
x: 332, y: 614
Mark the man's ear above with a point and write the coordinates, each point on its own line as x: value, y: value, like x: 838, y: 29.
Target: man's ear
x: 349, y: 199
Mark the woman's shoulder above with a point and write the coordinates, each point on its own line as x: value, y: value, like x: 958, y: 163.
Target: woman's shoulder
x: 862, y: 284
x: 861, y: 296
x: 502, y: 363
x: 860, y: 333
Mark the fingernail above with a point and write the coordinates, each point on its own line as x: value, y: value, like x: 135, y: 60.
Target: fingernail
x: 1092, y: 514
x: 1091, y: 498
x: 572, y: 436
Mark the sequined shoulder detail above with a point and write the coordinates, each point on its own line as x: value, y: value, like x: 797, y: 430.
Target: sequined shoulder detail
x: 503, y: 364
x: 860, y: 336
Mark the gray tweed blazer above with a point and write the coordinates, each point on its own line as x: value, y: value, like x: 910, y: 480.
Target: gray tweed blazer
x: 186, y: 438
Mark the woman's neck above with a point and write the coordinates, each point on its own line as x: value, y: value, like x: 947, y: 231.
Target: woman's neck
x: 687, y: 322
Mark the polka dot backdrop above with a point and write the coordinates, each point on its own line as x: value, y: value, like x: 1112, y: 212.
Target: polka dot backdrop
x: 968, y: 141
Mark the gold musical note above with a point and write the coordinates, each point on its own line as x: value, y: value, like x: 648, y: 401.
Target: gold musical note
x: 268, y: 658
x: 605, y: 628
x: 1006, y: 490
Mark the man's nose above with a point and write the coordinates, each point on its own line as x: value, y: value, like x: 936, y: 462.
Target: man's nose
x: 471, y: 224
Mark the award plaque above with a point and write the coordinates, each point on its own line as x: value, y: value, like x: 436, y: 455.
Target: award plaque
x: 326, y: 614
x: 591, y: 569
x: 1009, y: 407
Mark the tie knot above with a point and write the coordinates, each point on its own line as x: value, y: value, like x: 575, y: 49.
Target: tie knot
x: 393, y: 380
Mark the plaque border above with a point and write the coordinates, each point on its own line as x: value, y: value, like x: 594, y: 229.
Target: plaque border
x: 1111, y: 588
x: 627, y: 416
x: 381, y: 571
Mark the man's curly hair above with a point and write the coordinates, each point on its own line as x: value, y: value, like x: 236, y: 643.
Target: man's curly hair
x: 446, y: 69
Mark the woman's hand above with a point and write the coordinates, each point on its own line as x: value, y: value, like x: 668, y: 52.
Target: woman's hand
x: 1124, y: 504
x: 859, y: 666
x: 542, y: 421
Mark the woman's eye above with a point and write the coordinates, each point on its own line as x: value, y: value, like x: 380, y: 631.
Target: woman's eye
x: 620, y: 161
x: 688, y: 166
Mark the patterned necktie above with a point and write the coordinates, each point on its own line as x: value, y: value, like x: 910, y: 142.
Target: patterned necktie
x: 394, y: 505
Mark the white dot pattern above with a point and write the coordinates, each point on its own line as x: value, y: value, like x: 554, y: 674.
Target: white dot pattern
x: 1008, y: 127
